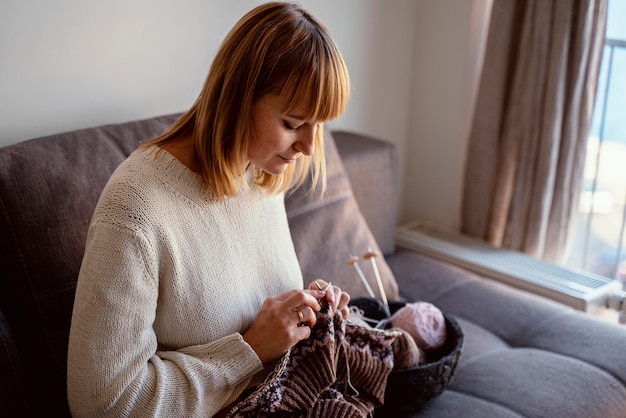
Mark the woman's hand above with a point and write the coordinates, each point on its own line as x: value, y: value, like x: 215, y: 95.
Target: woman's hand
x: 282, y: 321
x: 337, y: 299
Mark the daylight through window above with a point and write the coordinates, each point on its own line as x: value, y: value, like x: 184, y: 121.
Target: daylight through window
x: 599, y: 241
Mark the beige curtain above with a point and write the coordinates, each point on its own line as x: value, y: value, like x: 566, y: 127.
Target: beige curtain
x: 526, y: 154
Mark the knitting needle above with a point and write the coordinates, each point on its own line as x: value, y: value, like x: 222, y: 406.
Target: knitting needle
x: 325, y: 288
x: 371, y: 255
x: 353, y: 261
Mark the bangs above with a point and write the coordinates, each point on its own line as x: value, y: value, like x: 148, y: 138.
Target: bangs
x: 319, y: 85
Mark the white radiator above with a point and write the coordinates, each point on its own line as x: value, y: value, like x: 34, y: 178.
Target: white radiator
x: 581, y: 290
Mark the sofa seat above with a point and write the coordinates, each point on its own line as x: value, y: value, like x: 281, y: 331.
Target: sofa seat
x: 523, y: 355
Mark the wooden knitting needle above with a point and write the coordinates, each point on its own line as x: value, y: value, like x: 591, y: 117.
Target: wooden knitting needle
x: 371, y: 255
x: 325, y: 288
x: 353, y: 261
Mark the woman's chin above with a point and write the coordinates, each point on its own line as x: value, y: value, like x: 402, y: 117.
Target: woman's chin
x: 276, y: 169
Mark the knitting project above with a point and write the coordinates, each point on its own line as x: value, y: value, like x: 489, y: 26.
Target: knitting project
x: 340, y: 371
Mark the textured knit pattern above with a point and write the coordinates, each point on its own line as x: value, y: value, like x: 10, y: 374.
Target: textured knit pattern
x: 341, y: 370
x: 170, y: 281
x: 406, y: 353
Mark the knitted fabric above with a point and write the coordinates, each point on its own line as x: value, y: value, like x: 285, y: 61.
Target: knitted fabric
x: 341, y: 370
x: 169, y: 281
x: 406, y: 353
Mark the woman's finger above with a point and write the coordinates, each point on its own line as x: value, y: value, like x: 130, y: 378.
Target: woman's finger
x: 276, y: 326
x: 302, y: 333
x: 297, y: 297
x: 342, y: 306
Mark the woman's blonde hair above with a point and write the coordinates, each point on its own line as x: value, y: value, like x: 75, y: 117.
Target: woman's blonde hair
x: 277, y: 48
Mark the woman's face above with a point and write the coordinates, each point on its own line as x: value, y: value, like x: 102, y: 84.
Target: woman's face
x: 278, y: 139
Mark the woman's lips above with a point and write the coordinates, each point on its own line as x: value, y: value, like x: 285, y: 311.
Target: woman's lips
x: 289, y: 160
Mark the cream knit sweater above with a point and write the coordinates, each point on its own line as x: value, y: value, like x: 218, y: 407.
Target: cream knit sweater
x: 169, y: 282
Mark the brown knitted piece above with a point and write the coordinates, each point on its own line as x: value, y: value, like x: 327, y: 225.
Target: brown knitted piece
x: 369, y: 355
x: 337, y: 408
x: 406, y: 353
x: 299, y: 378
x: 340, y: 371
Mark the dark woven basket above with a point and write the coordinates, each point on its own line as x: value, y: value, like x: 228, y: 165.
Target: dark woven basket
x: 408, y: 390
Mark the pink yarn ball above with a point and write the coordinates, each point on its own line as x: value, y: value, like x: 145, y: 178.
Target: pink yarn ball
x: 424, y: 321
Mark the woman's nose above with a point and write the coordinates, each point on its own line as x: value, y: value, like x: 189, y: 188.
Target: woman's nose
x: 306, y: 140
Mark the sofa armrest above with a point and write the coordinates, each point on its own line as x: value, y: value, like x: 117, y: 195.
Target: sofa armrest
x: 372, y: 166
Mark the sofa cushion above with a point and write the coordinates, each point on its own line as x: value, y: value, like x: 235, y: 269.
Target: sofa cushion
x: 372, y: 167
x: 328, y: 228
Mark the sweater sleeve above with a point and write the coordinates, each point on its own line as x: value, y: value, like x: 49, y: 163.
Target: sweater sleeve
x: 115, y: 366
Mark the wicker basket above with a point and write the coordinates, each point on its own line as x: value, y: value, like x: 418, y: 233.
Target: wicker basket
x: 408, y: 390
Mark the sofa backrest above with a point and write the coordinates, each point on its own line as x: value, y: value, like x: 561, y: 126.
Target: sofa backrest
x: 48, y: 191
x: 373, y: 169
x: 49, y: 188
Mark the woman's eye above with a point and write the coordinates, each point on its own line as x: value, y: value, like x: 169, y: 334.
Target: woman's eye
x: 288, y: 126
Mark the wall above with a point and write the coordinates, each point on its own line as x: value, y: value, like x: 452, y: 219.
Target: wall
x: 449, y: 48
x: 70, y: 64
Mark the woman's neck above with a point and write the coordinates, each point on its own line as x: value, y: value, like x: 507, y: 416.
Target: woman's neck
x: 182, y: 149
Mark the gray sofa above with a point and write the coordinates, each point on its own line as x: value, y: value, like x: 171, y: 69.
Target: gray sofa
x: 523, y: 356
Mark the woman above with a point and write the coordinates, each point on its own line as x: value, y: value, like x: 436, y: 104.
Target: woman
x: 190, y: 288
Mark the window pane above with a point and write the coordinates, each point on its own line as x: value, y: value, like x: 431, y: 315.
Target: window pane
x: 615, y: 27
x: 597, y: 243
x: 614, y: 123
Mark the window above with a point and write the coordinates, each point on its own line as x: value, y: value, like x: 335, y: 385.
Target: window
x: 599, y: 244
